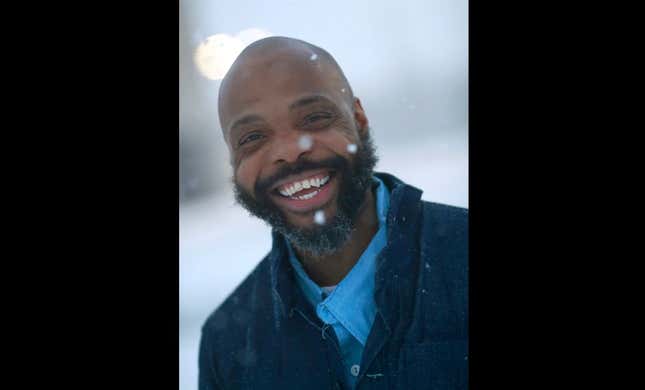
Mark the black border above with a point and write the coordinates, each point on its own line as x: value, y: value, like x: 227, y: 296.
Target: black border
x: 103, y: 260
x: 105, y: 236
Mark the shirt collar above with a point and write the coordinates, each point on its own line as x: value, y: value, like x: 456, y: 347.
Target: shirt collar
x: 397, y: 258
x: 355, y: 293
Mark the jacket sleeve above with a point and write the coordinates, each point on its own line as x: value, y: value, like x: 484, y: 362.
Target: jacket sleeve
x: 208, y: 379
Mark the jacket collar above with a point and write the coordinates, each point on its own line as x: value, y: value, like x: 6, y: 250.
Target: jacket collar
x: 395, y: 264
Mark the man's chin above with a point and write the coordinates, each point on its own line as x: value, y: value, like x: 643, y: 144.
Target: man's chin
x: 310, y: 220
x: 315, y: 236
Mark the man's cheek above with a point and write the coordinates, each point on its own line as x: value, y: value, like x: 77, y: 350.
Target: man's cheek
x: 338, y: 142
x: 244, y: 177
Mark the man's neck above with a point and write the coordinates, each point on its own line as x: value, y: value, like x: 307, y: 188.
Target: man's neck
x: 330, y: 270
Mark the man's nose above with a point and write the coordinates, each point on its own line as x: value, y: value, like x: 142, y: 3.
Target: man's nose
x: 288, y: 148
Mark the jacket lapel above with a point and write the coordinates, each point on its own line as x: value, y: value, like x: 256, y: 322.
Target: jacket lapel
x: 396, y: 269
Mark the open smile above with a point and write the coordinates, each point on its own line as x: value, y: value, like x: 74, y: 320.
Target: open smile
x: 305, y: 192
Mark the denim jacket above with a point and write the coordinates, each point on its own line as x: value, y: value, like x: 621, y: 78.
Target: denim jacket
x: 266, y: 335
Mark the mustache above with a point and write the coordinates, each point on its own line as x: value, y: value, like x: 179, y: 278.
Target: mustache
x: 264, y: 184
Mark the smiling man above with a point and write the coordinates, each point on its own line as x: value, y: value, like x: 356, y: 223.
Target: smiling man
x: 366, y: 284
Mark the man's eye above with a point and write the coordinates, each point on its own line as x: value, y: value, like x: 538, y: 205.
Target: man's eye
x: 250, y: 138
x: 316, y: 117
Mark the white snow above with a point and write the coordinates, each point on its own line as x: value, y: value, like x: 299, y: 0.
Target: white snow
x: 305, y: 142
x: 319, y: 217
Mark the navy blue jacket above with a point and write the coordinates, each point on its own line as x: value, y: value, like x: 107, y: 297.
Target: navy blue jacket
x: 266, y: 335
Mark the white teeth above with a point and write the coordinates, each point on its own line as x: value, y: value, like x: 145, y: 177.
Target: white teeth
x: 288, y: 191
x: 304, y: 184
x: 308, y: 196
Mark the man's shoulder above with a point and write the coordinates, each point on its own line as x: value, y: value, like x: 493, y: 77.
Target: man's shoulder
x: 432, y: 211
x: 443, y: 219
x: 241, y: 306
x: 444, y: 262
x: 235, y: 332
x: 444, y: 237
x: 445, y: 210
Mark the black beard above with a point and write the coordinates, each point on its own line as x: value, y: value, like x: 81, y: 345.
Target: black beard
x: 318, y: 240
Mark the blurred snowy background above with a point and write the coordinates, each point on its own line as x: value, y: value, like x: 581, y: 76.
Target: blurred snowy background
x: 406, y: 61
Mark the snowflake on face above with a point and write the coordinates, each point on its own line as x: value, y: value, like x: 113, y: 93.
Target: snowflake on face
x: 319, y: 217
x: 305, y: 142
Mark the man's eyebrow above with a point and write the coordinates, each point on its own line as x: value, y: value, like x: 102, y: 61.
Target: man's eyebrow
x: 308, y: 100
x: 245, y: 120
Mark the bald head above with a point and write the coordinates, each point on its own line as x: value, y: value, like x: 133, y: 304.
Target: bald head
x: 288, y: 114
x: 272, y: 67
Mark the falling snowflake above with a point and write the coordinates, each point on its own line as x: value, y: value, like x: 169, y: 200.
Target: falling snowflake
x: 351, y: 148
x: 305, y: 142
x: 319, y: 217
x: 313, y: 57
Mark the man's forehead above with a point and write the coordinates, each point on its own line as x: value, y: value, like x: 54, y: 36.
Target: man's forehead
x: 279, y: 80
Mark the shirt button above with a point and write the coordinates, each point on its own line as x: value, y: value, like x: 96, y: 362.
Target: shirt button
x: 355, y: 369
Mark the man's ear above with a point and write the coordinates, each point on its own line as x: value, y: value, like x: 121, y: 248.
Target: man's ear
x: 362, y: 123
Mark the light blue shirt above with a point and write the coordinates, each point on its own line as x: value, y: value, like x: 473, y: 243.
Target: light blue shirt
x: 350, y: 308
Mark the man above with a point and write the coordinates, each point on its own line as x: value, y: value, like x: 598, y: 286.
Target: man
x: 365, y: 286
